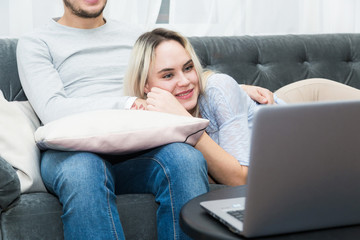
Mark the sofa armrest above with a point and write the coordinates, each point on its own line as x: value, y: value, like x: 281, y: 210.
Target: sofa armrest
x: 9, y: 184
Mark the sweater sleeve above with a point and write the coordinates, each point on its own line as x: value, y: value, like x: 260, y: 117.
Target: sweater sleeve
x: 228, y: 108
x: 45, y: 89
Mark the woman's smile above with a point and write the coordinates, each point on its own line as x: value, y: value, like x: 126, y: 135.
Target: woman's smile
x: 185, y: 94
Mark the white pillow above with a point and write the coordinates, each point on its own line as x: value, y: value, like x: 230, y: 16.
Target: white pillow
x: 18, y: 123
x: 118, y: 131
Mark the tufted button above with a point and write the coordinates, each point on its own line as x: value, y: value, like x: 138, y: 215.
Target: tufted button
x: 348, y: 58
x: 260, y: 66
x: 256, y: 62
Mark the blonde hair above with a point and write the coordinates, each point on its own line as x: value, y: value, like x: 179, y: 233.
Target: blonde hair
x: 143, y: 55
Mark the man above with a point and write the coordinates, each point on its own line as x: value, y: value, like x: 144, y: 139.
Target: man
x: 76, y: 64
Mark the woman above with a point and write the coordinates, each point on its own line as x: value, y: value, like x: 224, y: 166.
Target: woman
x: 165, y: 71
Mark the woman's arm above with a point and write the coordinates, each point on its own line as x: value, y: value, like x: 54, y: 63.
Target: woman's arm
x: 222, y: 166
x: 226, y: 146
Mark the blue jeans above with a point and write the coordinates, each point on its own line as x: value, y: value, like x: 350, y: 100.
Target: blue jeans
x: 87, y: 185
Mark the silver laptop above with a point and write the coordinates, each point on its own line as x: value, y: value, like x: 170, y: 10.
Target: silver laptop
x: 304, y: 171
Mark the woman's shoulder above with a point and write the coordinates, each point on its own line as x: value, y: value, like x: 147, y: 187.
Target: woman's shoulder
x: 219, y: 83
x: 220, y: 79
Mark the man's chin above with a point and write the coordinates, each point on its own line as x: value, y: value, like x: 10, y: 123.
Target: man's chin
x: 84, y: 13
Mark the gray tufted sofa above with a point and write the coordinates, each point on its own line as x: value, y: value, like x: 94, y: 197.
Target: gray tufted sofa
x: 268, y: 61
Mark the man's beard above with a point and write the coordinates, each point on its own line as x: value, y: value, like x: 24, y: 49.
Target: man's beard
x: 81, y: 13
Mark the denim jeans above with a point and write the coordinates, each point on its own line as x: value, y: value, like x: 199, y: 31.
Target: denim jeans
x: 87, y: 184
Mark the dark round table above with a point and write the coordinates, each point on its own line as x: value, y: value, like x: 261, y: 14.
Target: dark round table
x: 198, y: 224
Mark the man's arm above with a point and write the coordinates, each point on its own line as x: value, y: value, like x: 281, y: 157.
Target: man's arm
x: 45, y: 89
x: 139, y: 104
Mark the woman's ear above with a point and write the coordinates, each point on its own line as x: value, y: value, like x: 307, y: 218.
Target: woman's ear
x: 146, y: 88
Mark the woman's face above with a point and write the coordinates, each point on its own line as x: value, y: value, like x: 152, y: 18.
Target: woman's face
x: 173, y: 70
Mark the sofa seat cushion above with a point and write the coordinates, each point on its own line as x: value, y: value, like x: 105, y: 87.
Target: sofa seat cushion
x: 38, y: 216
x: 33, y: 216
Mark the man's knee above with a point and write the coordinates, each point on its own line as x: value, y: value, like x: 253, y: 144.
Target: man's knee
x: 182, y: 159
x: 183, y: 152
x: 74, y: 169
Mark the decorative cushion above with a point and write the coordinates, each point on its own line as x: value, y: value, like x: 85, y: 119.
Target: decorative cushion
x: 9, y: 184
x: 118, y: 131
x: 317, y: 89
x: 18, y: 123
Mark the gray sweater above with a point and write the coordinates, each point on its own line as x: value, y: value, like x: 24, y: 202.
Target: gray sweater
x: 67, y: 70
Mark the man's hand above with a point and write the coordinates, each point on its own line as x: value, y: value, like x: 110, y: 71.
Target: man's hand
x: 259, y: 94
x: 163, y: 101
x: 139, y: 104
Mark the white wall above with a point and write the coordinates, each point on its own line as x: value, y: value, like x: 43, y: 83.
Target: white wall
x: 202, y: 17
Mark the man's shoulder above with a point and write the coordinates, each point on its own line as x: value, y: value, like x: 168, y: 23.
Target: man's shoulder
x: 117, y: 24
x: 123, y: 28
x: 54, y: 33
x: 38, y: 33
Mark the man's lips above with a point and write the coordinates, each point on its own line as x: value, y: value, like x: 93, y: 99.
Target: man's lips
x: 185, y: 94
x: 92, y: 1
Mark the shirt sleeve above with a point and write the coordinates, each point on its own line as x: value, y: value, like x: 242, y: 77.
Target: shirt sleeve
x: 278, y: 100
x: 44, y: 87
x: 227, y: 107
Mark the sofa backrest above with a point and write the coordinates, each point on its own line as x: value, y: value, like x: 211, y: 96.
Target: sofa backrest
x: 268, y: 61
x: 9, y: 77
x: 274, y: 61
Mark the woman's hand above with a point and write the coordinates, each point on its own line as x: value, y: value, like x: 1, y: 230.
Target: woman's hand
x: 163, y: 101
x: 259, y: 94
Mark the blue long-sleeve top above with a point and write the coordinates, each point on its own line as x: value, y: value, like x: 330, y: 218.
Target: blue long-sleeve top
x: 230, y: 111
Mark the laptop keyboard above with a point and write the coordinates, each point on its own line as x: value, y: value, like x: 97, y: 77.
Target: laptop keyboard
x: 238, y: 214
